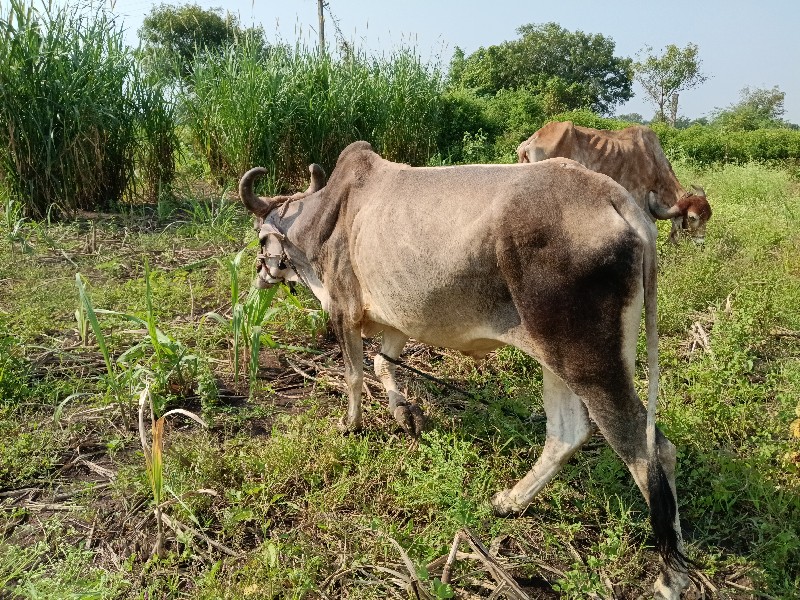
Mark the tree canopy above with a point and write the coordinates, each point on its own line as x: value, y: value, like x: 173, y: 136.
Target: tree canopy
x: 664, y: 76
x: 758, y: 108
x: 568, y: 69
x: 171, y: 36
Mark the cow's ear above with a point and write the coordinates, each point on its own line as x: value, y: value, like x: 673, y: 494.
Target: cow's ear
x: 257, y: 223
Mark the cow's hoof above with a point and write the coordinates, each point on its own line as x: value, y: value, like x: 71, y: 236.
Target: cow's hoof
x: 503, y: 506
x: 411, y: 419
x: 345, y: 426
x: 670, y: 587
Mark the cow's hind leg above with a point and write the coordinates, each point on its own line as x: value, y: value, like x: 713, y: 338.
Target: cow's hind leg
x: 622, y: 419
x: 568, y: 428
x: 407, y: 414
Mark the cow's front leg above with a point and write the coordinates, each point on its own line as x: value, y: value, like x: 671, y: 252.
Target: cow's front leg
x: 675, y: 231
x: 407, y: 414
x: 353, y: 354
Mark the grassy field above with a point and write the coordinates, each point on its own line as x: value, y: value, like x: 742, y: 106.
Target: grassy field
x: 268, y: 500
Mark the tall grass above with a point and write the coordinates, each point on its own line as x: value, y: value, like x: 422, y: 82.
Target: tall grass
x: 157, y: 140
x: 285, y: 108
x: 73, y: 114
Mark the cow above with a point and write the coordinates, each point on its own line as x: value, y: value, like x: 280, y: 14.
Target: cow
x: 475, y: 257
x: 633, y: 158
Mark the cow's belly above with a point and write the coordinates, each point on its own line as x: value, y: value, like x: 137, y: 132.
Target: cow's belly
x: 471, y: 333
x: 435, y: 279
x: 463, y: 305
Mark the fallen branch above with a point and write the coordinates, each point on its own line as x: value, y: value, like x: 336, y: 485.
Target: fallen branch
x: 744, y: 588
x: 506, y: 582
x: 100, y: 470
x: 39, y: 506
x: 177, y: 527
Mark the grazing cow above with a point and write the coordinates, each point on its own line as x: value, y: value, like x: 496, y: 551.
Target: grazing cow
x: 476, y: 257
x: 633, y: 158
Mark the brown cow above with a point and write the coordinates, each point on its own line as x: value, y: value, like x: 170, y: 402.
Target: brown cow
x: 633, y: 158
x: 475, y: 257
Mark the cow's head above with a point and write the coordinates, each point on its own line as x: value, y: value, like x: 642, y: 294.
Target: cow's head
x: 273, y: 265
x: 690, y: 213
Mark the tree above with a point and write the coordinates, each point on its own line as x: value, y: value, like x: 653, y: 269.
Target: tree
x: 570, y: 70
x: 757, y: 108
x: 632, y: 118
x: 172, y: 36
x: 663, y: 77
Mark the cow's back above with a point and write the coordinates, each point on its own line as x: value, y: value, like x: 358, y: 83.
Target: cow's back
x: 631, y: 156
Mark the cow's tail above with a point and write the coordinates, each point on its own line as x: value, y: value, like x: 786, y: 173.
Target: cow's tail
x: 663, y: 506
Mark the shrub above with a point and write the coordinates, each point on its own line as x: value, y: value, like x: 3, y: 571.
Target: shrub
x: 704, y: 144
x: 586, y: 118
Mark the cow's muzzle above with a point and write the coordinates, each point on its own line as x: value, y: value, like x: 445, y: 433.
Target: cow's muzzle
x: 272, y: 263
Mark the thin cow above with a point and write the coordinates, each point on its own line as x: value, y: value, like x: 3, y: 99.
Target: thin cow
x: 549, y: 257
x: 632, y: 157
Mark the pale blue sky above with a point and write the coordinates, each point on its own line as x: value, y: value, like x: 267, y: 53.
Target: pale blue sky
x: 742, y: 43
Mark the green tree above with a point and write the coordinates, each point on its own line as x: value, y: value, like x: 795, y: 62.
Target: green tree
x: 758, y: 108
x: 633, y: 117
x: 570, y: 70
x: 664, y: 76
x: 172, y: 36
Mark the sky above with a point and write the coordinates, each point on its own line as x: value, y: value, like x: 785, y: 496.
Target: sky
x: 741, y: 43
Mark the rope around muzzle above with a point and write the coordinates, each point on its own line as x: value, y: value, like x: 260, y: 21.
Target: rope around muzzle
x: 436, y: 380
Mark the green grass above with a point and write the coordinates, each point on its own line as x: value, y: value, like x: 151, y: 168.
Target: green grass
x: 306, y: 509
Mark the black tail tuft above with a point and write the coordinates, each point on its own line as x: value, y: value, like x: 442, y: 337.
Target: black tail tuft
x: 662, y: 517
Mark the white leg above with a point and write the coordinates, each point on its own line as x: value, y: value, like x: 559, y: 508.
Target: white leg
x: 568, y: 428
x: 391, y: 345
x: 408, y: 415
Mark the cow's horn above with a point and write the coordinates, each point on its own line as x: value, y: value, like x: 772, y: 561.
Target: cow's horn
x: 660, y: 211
x: 255, y: 204
x: 699, y: 191
x: 318, y: 178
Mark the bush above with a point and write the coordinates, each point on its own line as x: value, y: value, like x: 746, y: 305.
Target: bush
x: 704, y: 144
x: 462, y: 113
x: 586, y: 118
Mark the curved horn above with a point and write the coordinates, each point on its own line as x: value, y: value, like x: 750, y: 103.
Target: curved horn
x: 699, y: 191
x: 318, y: 178
x: 255, y: 204
x: 522, y: 153
x: 660, y: 211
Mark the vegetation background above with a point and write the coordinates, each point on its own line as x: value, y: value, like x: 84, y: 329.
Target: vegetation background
x: 125, y: 279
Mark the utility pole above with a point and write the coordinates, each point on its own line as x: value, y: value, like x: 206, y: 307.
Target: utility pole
x: 321, y: 16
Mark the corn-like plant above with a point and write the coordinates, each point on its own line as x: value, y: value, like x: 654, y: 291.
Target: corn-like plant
x: 158, y: 357
x: 246, y: 318
x: 14, y: 223
x: 154, y: 456
x: 86, y: 315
